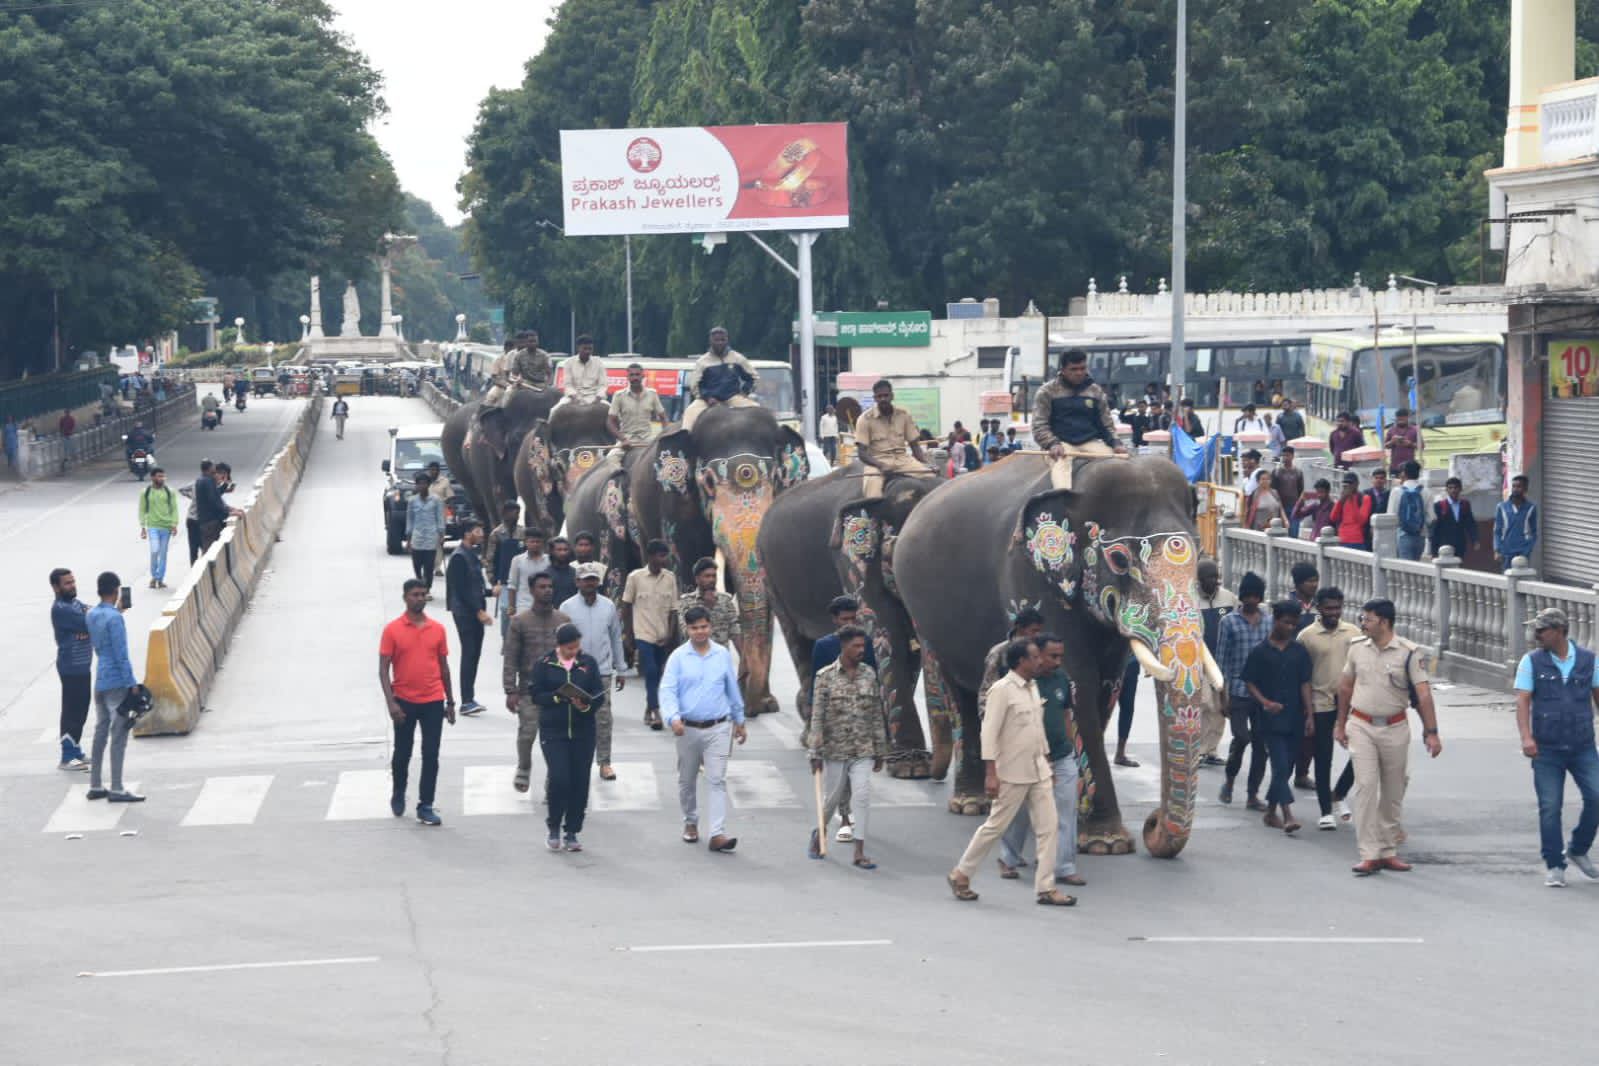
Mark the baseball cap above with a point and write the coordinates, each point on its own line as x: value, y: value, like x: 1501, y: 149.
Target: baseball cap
x: 594, y: 570
x: 1550, y: 618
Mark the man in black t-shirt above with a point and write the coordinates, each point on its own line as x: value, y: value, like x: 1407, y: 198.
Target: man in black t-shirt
x: 1277, y: 674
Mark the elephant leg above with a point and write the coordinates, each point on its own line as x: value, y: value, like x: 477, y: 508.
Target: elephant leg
x: 899, y: 667
x: 799, y: 651
x: 941, y: 712
x: 1100, y: 831
x: 970, y: 797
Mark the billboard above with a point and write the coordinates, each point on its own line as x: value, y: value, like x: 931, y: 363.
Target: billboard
x: 697, y: 179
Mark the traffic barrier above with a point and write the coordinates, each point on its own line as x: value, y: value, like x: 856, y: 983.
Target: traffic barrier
x: 441, y: 403
x: 189, y: 640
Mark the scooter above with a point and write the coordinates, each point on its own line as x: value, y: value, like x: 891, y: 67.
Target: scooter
x: 210, y: 418
x: 140, y: 461
x: 238, y: 399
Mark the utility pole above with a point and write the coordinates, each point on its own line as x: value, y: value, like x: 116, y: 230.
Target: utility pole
x: 1179, y: 211
x: 627, y: 247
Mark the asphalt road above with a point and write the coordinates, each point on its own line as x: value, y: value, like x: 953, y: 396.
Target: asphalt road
x: 263, y: 907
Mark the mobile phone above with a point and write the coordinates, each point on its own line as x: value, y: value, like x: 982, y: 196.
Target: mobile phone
x: 126, y: 599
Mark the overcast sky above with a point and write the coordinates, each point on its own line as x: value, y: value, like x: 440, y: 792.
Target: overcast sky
x: 438, y: 61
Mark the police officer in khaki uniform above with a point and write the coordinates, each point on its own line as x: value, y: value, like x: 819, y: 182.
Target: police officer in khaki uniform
x: 882, y: 433
x: 1374, y: 699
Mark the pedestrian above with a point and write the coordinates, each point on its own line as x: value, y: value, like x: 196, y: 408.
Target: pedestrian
x: 210, y: 509
x: 1248, y: 421
x: 1379, y: 495
x: 1515, y: 524
x: 69, y: 619
x: 1190, y: 421
x: 465, y: 600
x: 827, y: 433
x: 1384, y: 676
x: 1126, y: 701
x: 191, y: 521
x: 1346, y: 436
x: 1313, y: 512
x: 503, y: 545
x: 112, y: 682
x: 66, y: 425
x: 440, y: 489
x: 158, y: 521
x: 847, y: 738
x: 1027, y: 622
x: 532, y: 561
x: 1328, y: 640
x: 1241, y: 631
x: 1017, y: 774
x: 1265, y: 506
x: 530, y: 638
x: 566, y: 693
x: 702, y: 704
x: 722, y: 606
x: 1277, y: 675
x: 597, y: 618
x: 341, y: 414
x: 1401, y: 440
x: 844, y: 611
x: 424, y: 531
x: 1249, y: 476
x: 1412, y: 513
x: 414, y: 672
x: 1215, y: 603
x: 1453, y: 524
x: 1288, y: 481
x: 647, y: 622
x: 1306, y: 578
x: 561, y: 570
x: 1351, y: 514
x: 1556, y: 692
x: 13, y: 444
x: 1060, y: 730
x: 1290, y: 421
x: 585, y: 549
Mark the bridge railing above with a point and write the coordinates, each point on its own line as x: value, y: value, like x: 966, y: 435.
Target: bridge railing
x: 46, y: 456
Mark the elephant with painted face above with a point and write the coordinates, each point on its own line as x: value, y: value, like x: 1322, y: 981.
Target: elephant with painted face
x: 554, y: 456
x: 1111, y: 563
x: 802, y: 580
x: 480, y: 444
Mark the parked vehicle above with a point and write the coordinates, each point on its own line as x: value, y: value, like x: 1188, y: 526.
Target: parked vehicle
x: 411, y: 449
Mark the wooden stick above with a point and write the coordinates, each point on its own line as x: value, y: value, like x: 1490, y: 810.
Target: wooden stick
x: 821, y: 825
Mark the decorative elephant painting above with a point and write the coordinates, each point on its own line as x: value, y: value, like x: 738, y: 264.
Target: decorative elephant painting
x: 554, y: 456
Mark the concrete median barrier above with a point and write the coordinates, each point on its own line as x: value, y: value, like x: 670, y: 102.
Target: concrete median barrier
x: 189, y: 640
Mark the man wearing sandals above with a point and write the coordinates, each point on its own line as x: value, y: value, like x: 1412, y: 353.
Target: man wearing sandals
x: 1018, y: 773
x: 530, y: 638
x: 1055, y: 690
x: 848, y: 737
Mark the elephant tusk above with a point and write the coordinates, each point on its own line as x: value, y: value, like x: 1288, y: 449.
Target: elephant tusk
x: 1213, y: 672
x: 1151, y: 665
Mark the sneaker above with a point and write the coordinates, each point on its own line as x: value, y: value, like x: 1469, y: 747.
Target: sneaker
x: 1327, y: 822
x: 1585, y: 864
x: 1556, y: 877
x: 553, y: 843
x: 1226, y: 792
x: 472, y: 707
x: 1212, y: 760
x: 125, y: 797
x: 572, y: 844
x: 397, y: 804
x: 427, y: 815
x: 1342, y: 810
x: 73, y: 764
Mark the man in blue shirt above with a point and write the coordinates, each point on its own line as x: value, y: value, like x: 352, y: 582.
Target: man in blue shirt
x: 699, y: 696
x: 112, y: 681
x: 74, y: 657
x: 1515, y: 524
x: 1555, y: 696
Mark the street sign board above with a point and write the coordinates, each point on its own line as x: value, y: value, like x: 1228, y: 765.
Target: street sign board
x: 877, y: 329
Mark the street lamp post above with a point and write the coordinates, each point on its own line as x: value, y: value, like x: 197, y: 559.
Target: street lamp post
x: 460, y: 327
x: 305, y: 328
x: 238, y: 335
x: 269, y: 348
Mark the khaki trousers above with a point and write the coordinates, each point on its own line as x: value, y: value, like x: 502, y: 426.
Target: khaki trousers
x: 1212, y: 723
x: 699, y: 407
x: 1060, y: 471
x: 876, y: 476
x: 1381, y: 754
x: 1039, y: 799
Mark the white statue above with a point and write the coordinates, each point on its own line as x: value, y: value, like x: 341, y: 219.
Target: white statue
x: 352, y: 312
x: 315, y: 330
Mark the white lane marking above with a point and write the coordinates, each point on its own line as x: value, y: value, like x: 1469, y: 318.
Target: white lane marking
x: 229, y: 800
x: 759, y: 947
x: 899, y: 792
x: 360, y: 794
x: 1279, y: 939
x: 353, y: 960
x: 635, y: 789
x: 756, y: 783
x: 782, y: 730
x: 80, y: 814
x: 488, y: 790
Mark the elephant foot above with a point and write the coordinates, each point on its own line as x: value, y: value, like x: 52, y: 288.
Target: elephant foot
x: 1109, y: 839
x: 916, y: 766
x: 970, y: 806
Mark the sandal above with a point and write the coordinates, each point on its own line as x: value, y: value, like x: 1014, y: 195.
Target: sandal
x: 521, y: 780
x: 963, y: 892
x: 1122, y: 760
x: 864, y: 863
x: 1075, y: 880
x: 691, y: 834
x: 1007, y: 873
x: 1056, y: 899
x: 606, y: 773
x: 814, y: 851
x: 1292, y: 827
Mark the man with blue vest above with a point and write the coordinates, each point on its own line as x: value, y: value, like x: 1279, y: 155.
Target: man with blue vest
x: 1072, y: 418
x: 1555, y: 696
x: 1515, y: 524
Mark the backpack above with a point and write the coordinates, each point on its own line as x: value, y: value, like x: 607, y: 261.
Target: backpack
x: 1412, y: 514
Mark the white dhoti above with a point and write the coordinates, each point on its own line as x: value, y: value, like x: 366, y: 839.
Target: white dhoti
x: 1060, y: 471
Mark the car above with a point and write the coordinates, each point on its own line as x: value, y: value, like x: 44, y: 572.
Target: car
x: 264, y: 381
x: 411, y: 449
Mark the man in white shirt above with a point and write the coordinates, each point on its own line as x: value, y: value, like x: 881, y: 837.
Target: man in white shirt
x: 601, y: 625
x: 584, y: 374
x: 827, y: 432
x: 523, y: 567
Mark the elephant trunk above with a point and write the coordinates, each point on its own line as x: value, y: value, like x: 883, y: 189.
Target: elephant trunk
x: 736, y: 515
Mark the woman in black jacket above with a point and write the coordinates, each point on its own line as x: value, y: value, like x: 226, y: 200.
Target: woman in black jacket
x: 566, y: 731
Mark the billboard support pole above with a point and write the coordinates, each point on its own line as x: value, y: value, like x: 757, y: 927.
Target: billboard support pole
x: 807, y: 337
x: 627, y: 246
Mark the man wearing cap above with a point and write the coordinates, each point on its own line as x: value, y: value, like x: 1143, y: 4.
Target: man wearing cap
x: 597, y: 619
x: 1555, y: 698
x: 1384, y: 675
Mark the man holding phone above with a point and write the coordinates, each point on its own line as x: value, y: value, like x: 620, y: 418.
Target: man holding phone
x: 114, y: 678
x: 416, y: 652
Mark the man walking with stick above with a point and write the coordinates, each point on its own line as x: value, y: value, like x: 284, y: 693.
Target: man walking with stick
x: 848, y: 738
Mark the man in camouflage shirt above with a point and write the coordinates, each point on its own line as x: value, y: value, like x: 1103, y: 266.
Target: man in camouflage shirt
x: 723, y: 607
x: 848, y: 737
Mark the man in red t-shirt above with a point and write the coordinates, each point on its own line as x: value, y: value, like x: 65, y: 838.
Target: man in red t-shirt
x: 416, y: 652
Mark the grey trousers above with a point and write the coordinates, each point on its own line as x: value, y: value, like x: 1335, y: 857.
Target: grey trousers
x: 842, y: 780
x: 1015, y: 838
x: 109, y: 724
x: 709, y: 748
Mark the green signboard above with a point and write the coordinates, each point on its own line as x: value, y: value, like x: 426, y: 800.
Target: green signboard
x: 922, y: 403
x: 879, y: 329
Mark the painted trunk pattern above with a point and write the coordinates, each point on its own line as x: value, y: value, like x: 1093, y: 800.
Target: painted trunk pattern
x: 737, y: 492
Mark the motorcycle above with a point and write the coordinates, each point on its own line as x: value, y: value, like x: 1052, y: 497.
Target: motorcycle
x: 210, y: 418
x: 238, y: 398
x: 140, y: 460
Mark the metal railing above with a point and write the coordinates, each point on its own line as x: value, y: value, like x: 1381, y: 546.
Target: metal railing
x: 50, y: 455
x: 53, y: 393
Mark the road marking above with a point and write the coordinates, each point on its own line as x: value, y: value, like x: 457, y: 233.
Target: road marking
x: 360, y: 794
x: 635, y: 789
x: 229, y: 800
x: 487, y: 790
x: 354, y: 960
x: 1279, y: 939
x: 761, y: 946
x: 904, y: 792
x: 782, y: 730
x: 80, y: 814
x: 756, y: 783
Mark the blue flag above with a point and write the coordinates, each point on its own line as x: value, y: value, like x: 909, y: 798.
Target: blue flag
x: 1192, y: 459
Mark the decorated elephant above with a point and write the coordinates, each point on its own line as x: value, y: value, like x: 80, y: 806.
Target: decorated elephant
x: 861, y: 535
x: 554, y: 456
x: 480, y: 444
x: 1111, y: 564
x: 598, y: 503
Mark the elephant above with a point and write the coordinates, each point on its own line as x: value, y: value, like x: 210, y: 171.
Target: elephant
x: 553, y: 457
x: 480, y: 445
x: 704, y: 492
x: 1111, y: 563
x: 863, y: 534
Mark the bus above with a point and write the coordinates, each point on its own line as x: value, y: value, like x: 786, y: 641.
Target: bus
x: 773, y: 391
x: 1458, y: 380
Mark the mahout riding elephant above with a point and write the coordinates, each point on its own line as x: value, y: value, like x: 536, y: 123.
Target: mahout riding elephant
x: 1111, y: 563
x: 553, y: 457
x: 822, y: 539
x: 480, y: 444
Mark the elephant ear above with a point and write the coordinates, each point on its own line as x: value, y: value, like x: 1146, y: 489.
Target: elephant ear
x: 494, y: 429
x: 674, y: 463
x: 617, y: 530
x: 542, y: 464
x: 793, y: 464
x: 1044, y: 532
